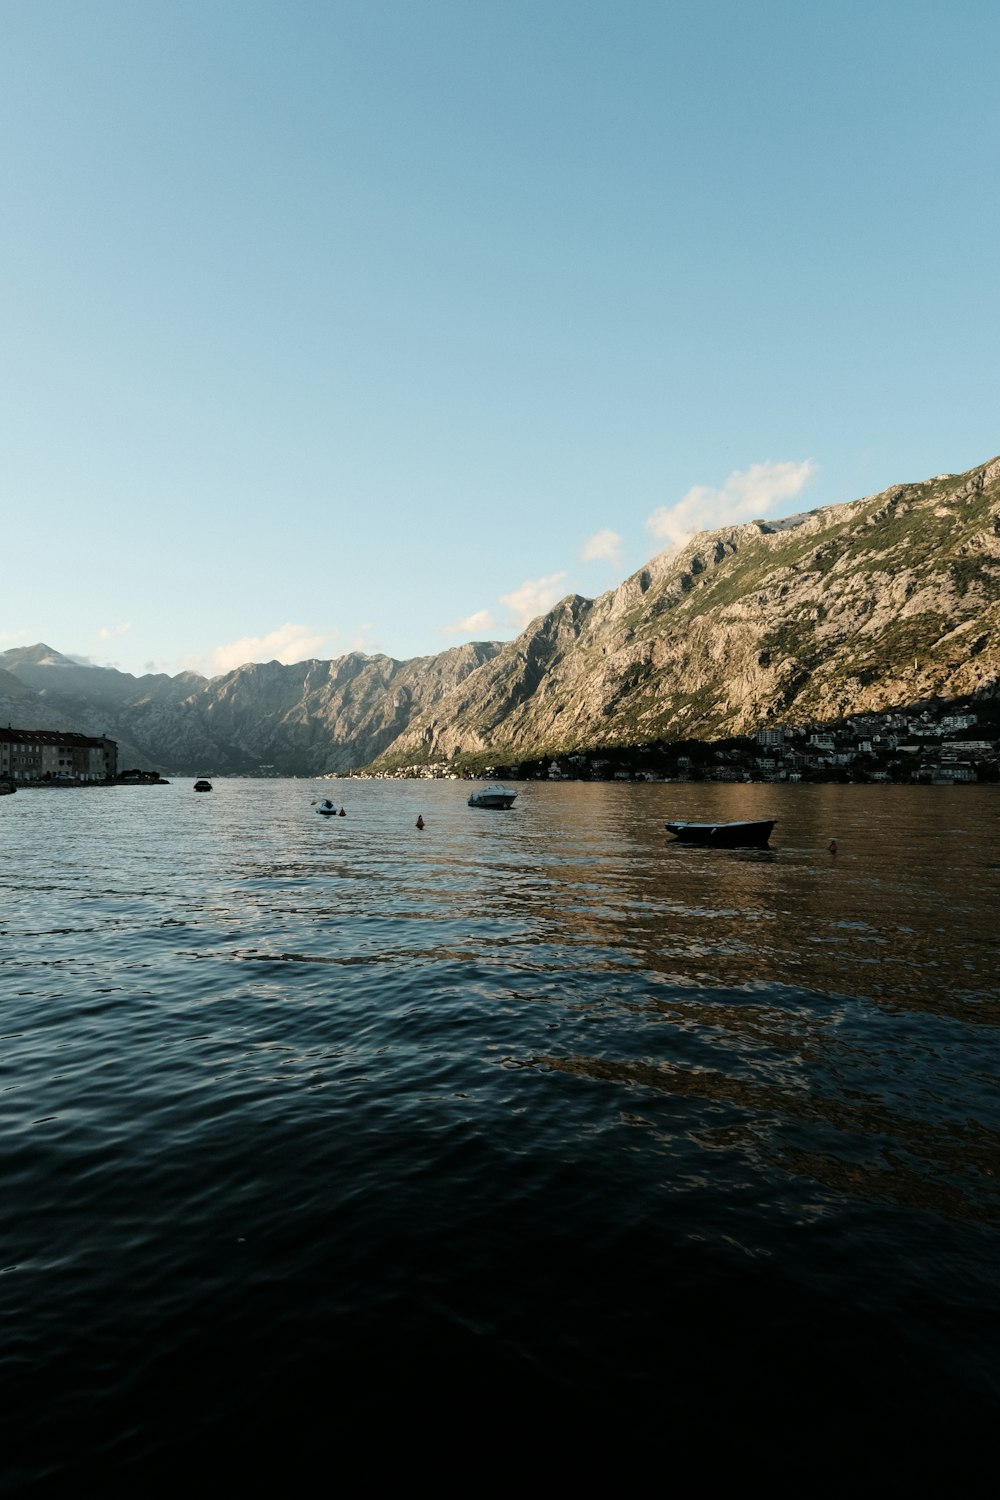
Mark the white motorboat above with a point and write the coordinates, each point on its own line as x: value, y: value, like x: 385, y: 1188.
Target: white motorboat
x: 493, y: 796
x: 326, y: 808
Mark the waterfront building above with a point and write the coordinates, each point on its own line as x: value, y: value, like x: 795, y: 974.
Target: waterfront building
x: 52, y: 755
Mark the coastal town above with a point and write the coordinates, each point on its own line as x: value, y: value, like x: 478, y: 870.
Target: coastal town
x: 939, y: 745
x: 46, y: 757
x: 932, y: 746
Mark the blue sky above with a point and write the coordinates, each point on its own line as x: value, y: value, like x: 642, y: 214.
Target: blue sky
x: 383, y: 325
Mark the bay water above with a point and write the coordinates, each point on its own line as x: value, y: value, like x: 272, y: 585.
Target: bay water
x: 333, y: 1145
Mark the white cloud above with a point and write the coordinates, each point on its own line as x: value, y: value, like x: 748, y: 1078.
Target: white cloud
x: 474, y: 624
x: 365, y: 641
x: 534, y: 597
x: 747, y: 495
x: 288, y: 644
x: 603, y: 546
x: 110, y: 632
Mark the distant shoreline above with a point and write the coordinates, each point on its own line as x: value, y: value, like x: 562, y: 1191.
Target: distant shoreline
x: 935, y: 784
x: 80, y: 786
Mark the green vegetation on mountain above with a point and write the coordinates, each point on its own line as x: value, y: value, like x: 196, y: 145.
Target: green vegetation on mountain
x: 862, y: 607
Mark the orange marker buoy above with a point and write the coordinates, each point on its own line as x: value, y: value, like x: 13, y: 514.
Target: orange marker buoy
x: 832, y: 846
x: 342, y: 814
x: 420, y: 822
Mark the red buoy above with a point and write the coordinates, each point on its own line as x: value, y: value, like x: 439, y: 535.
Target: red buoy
x: 420, y: 821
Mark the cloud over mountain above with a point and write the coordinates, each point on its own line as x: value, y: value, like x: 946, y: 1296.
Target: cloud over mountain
x: 747, y: 495
x: 533, y: 598
x: 603, y: 546
x: 288, y: 644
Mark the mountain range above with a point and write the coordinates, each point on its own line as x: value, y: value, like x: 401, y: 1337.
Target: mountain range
x: 879, y: 603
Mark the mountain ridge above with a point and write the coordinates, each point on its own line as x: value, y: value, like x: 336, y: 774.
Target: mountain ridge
x: 301, y: 719
x: 861, y: 606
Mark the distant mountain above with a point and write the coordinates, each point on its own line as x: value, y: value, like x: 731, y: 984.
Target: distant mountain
x: 874, y: 604
x: 304, y: 719
x: 66, y: 694
x: 56, y: 676
x: 16, y: 700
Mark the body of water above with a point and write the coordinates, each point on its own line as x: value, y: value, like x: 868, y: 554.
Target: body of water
x: 334, y: 1145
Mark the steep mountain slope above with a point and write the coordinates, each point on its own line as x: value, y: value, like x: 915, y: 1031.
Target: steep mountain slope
x: 22, y: 707
x: 879, y: 602
x: 311, y: 717
x: 95, y: 700
x: 99, y: 688
x: 301, y: 720
x: 874, y: 604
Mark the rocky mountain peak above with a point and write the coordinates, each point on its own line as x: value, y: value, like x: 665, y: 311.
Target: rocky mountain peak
x: 874, y: 603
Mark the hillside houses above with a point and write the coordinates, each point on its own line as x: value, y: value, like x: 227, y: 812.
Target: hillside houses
x: 890, y: 747
x: 926, y: 747
x: 897, y: 747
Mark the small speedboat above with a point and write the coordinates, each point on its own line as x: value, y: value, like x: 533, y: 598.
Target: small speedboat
x: 724, y: 835
x: 202, y: 785
x: 493, y: 796
x: 7, y: 787
x: 326, y: 808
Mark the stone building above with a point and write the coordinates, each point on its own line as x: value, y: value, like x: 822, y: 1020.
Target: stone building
x: 48, y: 755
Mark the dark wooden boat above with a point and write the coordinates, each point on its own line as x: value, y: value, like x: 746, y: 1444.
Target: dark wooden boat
x: 724, y: 835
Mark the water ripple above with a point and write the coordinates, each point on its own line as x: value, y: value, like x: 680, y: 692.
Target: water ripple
x: 538, y: 1115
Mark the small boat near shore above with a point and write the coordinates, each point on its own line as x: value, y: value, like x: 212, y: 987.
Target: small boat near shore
x: 6, y: 787
x: 202, y: 785
x: 724, y: 835
x: 493, y: 796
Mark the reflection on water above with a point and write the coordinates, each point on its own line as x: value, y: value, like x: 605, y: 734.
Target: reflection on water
x: 879, y: 1134
x: 541, y: 1106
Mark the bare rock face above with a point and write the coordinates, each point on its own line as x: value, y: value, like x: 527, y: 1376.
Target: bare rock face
x: 304, y: 719
x: 325, y: 715
x: 876, y: 604
x: 865, y: 606
x: 18, y: 701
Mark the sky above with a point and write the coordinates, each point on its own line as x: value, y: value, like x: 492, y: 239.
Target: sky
x: 382, y: 325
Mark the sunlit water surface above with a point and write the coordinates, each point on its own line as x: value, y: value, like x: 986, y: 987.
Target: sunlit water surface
x: 535, y: 1125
